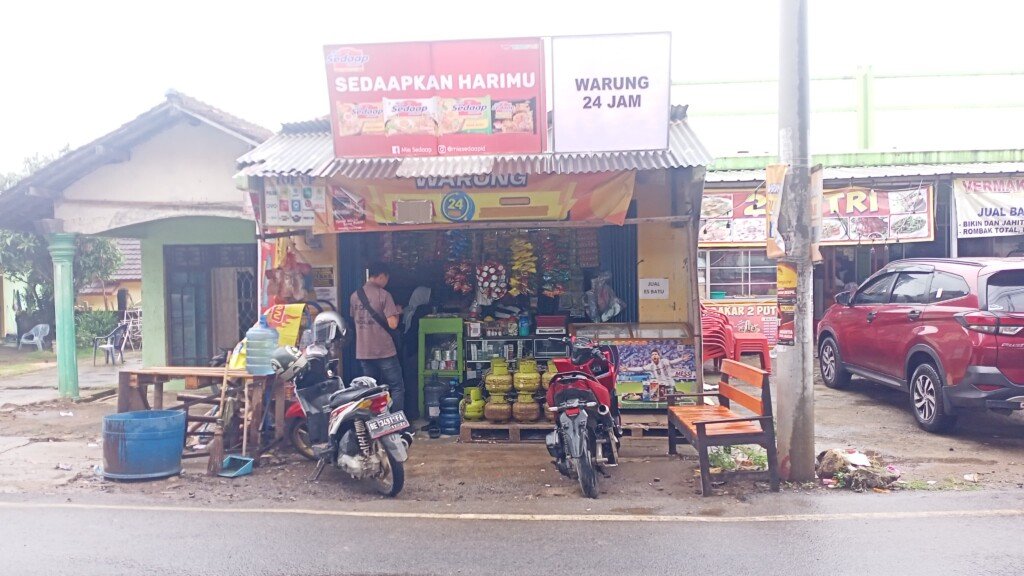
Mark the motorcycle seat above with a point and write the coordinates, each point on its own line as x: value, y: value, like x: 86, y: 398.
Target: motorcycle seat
x: 352, y: 394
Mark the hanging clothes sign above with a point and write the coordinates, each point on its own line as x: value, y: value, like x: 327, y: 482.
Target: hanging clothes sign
x: 989, y: 207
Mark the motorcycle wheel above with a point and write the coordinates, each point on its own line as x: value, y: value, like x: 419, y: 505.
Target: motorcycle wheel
x: 586, y: 473
x: 391, y: 482
x: 298, y: 435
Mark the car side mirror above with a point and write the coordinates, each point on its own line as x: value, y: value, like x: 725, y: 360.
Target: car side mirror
x: 844, y: 298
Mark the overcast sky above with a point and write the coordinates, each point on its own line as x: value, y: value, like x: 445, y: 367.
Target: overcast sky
x: 72, y: 71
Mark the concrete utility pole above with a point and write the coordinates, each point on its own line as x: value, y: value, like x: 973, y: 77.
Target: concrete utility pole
x: 794, y: 375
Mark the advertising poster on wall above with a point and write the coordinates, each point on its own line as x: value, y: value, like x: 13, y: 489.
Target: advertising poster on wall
x: 989, y: 207
x: 292, y: 203
x: 611, y: 92
x: 649, y: 370
x: 787, y: 281
x: 850, y: 216
x: 437, y: 98
x: 750, y: 316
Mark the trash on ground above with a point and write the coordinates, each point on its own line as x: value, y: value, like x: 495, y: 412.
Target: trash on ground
x: 93, y: 445
x: 849, y: 468
x: 971, y: 477
x: 67, y: 413
x: 63, y: 466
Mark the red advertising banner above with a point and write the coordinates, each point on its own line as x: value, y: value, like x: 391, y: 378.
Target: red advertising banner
x: 368, y: 205
x: 850, y: 216
x: 437, y: 98
x: 758, y: 316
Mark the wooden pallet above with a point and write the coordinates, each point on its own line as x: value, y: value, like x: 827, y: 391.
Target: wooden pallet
x: 507, y: 432
x: 534, y: 432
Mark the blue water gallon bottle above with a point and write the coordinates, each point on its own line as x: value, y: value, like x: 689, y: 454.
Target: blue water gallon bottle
x: 260, y: 343
x: 450, y: 421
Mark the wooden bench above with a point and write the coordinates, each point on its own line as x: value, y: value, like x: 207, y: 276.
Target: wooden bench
x: 704, y: 425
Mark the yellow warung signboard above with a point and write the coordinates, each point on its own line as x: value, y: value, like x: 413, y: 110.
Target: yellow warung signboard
x: 366, y: 205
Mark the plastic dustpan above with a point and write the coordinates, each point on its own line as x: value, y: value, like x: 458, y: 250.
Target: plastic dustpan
x: 235, y: 466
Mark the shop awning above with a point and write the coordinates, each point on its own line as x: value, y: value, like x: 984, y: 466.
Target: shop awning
x: 872, y: 172
x: 306, y: 149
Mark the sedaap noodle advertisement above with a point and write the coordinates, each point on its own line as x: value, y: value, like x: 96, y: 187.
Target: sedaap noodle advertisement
x: 457, y: 98
x: 850, y: 216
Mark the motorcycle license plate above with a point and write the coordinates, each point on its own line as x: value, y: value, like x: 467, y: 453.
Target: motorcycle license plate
x: 387, y: 424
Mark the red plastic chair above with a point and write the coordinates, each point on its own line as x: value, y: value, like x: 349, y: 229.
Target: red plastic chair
x: 752, y: 342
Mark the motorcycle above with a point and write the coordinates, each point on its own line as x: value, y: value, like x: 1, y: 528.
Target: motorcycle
x: 588, y: 425
x: 350, y: 428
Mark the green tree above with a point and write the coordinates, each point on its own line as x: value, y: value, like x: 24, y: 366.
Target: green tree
x: 24, y: 257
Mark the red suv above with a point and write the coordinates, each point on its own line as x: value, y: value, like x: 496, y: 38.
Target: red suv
x: 949, y: 332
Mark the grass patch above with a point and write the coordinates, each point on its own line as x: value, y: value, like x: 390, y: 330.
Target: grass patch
x: 729, y: 458
x: 15, y: 363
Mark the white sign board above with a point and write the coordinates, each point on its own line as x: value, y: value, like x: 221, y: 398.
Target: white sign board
x: 654, y: 288
x: 611, y: 92
x: 989, y: 207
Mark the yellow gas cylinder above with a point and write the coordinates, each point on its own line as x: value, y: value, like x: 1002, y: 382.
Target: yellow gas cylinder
x: 472, y: 406
x: 527, y: 379
x: 525, y: 408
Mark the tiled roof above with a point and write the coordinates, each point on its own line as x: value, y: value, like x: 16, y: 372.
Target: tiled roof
x: 131, y: 259
x: 19, y: 208
x: 129, y: 271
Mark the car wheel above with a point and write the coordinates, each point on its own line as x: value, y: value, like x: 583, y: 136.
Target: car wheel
x: 833, y: 374
x: 926, y: 400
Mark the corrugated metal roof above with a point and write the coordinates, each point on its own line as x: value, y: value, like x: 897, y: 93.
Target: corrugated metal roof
x: 284, y: 154
x: 872, y: 172
x: 306, y: 148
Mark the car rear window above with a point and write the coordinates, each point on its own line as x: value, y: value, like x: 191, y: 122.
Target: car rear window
x: 948, y: 287
x: 1006, y: 291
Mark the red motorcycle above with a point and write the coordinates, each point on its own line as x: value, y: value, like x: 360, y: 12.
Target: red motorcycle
x: 588, y: 426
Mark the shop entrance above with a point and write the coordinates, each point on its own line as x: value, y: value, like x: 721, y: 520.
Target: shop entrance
x: 567, y: 261
x: 210, y: 299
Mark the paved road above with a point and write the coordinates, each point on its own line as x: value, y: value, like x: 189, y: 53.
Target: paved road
x: 829, y: 536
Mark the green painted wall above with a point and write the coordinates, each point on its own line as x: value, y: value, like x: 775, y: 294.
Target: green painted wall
x: 174, y: 231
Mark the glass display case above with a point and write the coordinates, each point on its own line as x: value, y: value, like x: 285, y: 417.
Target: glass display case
x: 440, y: 352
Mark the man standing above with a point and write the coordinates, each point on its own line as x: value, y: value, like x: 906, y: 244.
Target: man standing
x: 376, y: 318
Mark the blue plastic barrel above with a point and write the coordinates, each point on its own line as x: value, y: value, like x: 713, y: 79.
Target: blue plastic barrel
x: 260, y: 343
x: 143, y: 445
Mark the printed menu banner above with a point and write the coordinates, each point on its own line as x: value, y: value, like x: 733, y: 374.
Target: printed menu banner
x: 757, y: 316
x: 292, y: 202
x: 372, y: 205
x: 989, y: 207
x: 850, y: 216
x: 437, y: 98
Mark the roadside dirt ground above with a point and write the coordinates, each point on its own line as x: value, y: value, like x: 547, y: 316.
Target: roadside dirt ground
x: 36, y: 442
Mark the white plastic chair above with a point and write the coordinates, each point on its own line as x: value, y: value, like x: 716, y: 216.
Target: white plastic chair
x: 36, y: 336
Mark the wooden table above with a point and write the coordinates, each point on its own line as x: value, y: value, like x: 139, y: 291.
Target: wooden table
x: 133, y: 386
